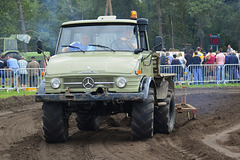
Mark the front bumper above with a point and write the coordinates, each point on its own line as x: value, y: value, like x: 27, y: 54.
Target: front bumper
x: 89, y: 97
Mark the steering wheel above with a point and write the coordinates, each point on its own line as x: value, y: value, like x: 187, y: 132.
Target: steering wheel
x: 121, y: 44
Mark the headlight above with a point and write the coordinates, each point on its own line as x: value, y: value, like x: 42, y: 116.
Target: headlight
x: 55, y: 83
x: 121, y: 82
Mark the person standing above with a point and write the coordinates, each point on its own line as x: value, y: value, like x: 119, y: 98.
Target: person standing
x: 23, y: 71
x: 33, y: 72
x: 164, y: 62
x: 220, y: 61
x: 183, y: 62
x: 188, y: 58
x: 3, y: 65
x: 197, y: 70
x: 199, y: 53
x: 12, y: 64
x: 229, y: 50
x: 169, y: 57
x: 234, y: 63
x: 210, y: 60
x: 176, y: 67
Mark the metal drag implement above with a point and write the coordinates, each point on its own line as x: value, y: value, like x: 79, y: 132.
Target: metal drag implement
x: 184, y: 107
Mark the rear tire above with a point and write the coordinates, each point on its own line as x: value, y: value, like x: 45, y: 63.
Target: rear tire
x: 164, y: 116
x: 142, y: 118
x: 88, y: 122
x: 55, y: 123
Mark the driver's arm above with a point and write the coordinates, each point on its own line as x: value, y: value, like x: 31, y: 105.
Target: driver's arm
x: 66, y: 49
x: 129, y: 41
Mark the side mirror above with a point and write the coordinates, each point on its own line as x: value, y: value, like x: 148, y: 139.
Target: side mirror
x: 158, y: 43
x: 39, y: 47
x: 138, y: 51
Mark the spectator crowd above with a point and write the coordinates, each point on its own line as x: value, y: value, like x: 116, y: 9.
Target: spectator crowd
x: 199, y: 67
x: 18, y: 73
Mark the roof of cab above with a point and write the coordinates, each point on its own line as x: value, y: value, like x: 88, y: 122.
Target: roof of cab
x: 101, y: 19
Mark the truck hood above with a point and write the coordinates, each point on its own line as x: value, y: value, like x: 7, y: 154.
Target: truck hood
x: 93, y: 63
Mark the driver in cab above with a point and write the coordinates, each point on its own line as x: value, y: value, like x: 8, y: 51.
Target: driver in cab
x: 128, y: 41
x: 84, y: 45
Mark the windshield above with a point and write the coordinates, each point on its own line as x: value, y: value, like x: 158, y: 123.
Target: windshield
x: 98, y: 38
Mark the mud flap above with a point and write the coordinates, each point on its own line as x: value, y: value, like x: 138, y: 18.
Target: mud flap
x: 162, y: 90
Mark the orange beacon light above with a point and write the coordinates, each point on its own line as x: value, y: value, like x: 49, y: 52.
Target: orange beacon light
x: 134, y: 15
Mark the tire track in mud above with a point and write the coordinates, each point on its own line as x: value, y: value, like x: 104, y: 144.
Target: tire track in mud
x: 181, y: 150
x: 15, y: 125
x: 110, y: 143
x: 115, y: 143
x: 216, y: 141
x: 75, y: 149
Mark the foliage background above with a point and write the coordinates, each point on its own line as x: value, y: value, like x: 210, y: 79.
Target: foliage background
x: 183, y: 21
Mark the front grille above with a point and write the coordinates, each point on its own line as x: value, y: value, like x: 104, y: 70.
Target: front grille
x: 83, y: 82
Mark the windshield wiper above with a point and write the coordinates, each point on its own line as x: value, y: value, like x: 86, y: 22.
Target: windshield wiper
x: 79, y: 49
x: 101, y: 46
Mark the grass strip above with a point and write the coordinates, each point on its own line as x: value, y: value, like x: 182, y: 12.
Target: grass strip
x: 6, y: 94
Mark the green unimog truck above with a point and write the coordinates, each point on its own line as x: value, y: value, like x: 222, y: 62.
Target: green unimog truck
x: 114, y: 72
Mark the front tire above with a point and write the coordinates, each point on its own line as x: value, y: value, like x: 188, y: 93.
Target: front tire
x: 55, y: 122
x: 164, y: 116
x: 142, y: 118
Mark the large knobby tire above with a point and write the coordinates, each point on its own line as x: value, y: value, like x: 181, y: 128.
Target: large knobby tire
x: 164, y: 116
x: 142, y: 118
x: 55, y: 123
x: 88, y: 122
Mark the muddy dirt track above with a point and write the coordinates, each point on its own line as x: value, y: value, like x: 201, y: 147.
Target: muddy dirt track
x: 215, y: 135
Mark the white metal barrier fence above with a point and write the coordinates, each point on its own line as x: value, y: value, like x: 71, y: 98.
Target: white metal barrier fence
x: 193, y: 74
x: 204, y: 74
x: 21, y: 78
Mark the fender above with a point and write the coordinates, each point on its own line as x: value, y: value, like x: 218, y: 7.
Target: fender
x: 146, y: 83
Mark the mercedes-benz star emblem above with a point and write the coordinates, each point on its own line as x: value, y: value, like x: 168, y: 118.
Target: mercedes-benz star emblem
x: 88, y: 83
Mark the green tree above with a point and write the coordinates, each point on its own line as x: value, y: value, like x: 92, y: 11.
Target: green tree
x: 178, y: 21
x: 202, y: 11
x: 8, y: 17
